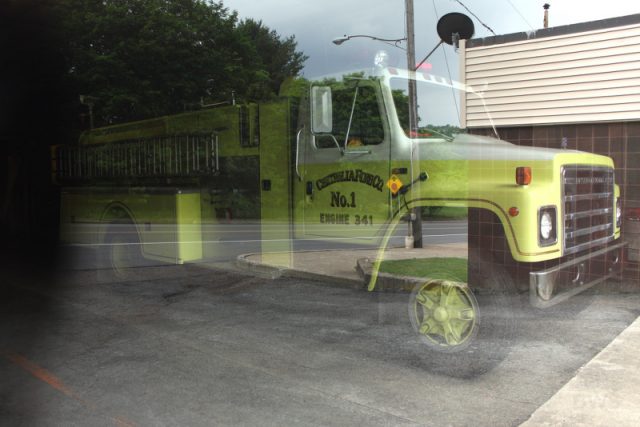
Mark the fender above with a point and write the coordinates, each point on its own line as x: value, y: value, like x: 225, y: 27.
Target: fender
x: 116, y: 212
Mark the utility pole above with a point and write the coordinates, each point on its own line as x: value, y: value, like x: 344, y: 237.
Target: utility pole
x: 415, y: 224
x: 89, y: 101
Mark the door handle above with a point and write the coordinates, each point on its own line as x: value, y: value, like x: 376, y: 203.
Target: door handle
x: 356, y: 152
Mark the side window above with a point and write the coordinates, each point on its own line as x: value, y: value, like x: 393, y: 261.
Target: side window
x: 366, y: 125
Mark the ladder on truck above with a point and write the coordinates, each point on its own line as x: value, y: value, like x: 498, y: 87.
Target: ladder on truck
x: 174, y: 156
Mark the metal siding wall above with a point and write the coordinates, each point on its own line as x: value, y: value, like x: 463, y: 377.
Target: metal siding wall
x: 583, y: 77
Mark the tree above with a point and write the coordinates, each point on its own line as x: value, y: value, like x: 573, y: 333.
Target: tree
x: 274, y: 57
x: 342, y: 108
x: 145, y: 58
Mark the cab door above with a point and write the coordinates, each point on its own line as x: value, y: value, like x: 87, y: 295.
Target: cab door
x: 344, y: 163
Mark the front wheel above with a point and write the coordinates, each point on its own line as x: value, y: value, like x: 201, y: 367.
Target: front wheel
x: 466, y: 327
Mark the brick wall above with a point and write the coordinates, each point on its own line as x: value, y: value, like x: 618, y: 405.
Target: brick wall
x: 620, y: 141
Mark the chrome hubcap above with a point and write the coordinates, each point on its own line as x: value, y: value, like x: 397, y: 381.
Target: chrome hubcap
x: 445, y: 312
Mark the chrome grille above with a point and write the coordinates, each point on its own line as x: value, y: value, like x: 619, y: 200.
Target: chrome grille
x: 588, y: 194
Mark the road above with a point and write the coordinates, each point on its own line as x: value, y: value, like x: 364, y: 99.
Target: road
x: 241, y: 239
x: 195, y: 346
x: 228, y: 240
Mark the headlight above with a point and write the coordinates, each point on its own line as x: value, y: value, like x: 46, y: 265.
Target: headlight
x: 618, y: 212
x: 547, y: 226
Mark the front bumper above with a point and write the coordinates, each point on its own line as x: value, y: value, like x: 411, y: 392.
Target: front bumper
x: 550, y: 286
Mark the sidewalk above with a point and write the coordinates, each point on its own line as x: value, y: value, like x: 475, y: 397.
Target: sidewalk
x: 604, y: 392
x: 340, y: 266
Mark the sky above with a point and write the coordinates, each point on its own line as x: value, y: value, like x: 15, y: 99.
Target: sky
x: 316, y: 23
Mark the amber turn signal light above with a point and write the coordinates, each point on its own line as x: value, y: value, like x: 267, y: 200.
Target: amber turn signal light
x: 523, y: 175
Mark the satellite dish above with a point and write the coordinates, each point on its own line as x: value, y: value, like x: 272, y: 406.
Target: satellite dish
x: 454, y: 26
x: 451, y: 28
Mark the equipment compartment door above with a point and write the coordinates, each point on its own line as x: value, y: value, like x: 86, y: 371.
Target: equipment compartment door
x: 275, y: 183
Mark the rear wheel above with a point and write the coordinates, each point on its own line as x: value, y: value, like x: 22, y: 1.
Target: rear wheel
x: 121, y: 254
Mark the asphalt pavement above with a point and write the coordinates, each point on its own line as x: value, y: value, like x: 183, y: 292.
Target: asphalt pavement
x: 204, y: 345
x: 605, y: 391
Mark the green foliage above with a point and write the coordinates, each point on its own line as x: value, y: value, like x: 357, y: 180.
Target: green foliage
x: 401, y: 101
x: 276, y: 58
x: 446, y: 130
x: 146, y: 58
x: 366, y: 124
x: 295, y: 87
x: 443, y: 212
x: 431, y: 211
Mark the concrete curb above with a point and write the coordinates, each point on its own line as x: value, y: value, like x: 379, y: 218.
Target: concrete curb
x: 387, y: 282
x: 257, y: 268
x: 274, y: 272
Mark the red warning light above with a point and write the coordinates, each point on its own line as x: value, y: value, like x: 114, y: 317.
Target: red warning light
x: 523, y: 175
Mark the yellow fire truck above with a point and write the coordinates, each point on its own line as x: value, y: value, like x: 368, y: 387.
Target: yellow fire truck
x: 339, y: 161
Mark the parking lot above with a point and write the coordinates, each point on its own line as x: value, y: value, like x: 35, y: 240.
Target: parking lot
x: 201, y: 345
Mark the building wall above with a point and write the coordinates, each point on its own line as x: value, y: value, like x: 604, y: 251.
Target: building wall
x: 620, y: 141
x: 548, y: 78
x: 579, y: 84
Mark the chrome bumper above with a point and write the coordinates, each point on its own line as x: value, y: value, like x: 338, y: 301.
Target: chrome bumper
x: 542, y: 283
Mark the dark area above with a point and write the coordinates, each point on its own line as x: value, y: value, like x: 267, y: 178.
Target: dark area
x: 37, y: 111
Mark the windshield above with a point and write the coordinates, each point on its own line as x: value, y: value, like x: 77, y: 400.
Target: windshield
x: 439, y: 106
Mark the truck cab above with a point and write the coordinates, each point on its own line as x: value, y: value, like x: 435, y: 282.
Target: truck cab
x: 555, y: 208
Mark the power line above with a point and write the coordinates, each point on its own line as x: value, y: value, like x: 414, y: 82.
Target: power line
x: 521, y: 15
x: 446, y: 61
x: 475, y: 16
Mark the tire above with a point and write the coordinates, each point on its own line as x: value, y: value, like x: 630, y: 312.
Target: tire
x: 465, y: 330
x: 121, y: 255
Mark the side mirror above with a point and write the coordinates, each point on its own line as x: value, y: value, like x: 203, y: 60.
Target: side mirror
x: 321, y: 110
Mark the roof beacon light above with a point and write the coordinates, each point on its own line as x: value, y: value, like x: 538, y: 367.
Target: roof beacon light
x: 523, y: 175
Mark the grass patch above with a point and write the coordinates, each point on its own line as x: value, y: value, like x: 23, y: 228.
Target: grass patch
x: 433, y: 268
x: 443, y: 212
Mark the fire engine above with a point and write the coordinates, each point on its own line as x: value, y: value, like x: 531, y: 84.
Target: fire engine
x: 338, y: 160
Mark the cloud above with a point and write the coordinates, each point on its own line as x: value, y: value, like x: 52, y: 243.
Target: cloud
x: 315, y: 24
